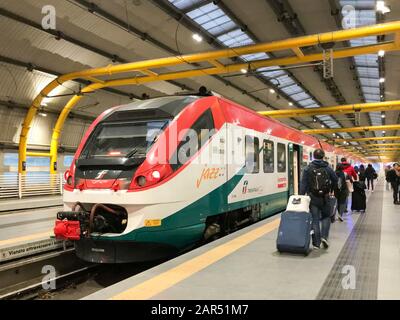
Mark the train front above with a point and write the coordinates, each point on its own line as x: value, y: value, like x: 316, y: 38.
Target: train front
x: 115, y: 195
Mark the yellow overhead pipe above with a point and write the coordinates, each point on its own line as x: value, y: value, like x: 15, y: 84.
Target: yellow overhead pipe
x: 60, y: 123
x: 349, y: 108
x: 211, y: 57
x: 387, y: 127
x: 193, y: 73
x: 373, y: 145
x: 38, y: 154
x: 367, y: 139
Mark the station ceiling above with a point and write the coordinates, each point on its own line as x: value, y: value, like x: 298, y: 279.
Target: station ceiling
x: 97, y: 33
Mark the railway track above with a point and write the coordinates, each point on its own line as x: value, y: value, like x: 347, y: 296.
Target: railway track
x: 28, y: 279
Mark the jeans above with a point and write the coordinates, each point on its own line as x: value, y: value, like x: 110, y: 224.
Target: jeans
x: 370, y: 181
x: 341, y: 208
x: 319, y: 208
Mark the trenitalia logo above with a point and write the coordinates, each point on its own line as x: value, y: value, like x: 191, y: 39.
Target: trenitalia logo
x: 245, y: 184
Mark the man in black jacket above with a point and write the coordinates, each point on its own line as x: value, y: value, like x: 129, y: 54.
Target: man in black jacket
x: 318, y: 180
x: 393, y: 176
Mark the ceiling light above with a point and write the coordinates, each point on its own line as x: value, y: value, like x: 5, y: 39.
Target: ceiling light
x: 382, y: 7
x: 290, y: 104
x: 322, y: 126
x: 381, y: 80
x: 383, y: 132
x: 383, y: 116
x: 42, y: 114
x: 243, y: 70
x: 272, y: 90
x: 197, y: 37
x: 381, y: 53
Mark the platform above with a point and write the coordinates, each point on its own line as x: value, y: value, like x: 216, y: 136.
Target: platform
x: 246, y: 265
x: 27, y: 232
x: 29, y: 203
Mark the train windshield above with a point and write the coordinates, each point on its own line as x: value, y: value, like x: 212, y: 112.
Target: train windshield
x: 129, y: 139
x: 132, y: 129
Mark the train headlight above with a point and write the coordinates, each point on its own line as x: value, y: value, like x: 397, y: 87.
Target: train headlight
x: 156, y: 174
x: 141, y: 181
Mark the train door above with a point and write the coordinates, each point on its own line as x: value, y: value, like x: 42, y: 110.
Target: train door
x: 295, y: 153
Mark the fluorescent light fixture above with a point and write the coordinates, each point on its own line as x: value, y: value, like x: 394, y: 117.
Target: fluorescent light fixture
x: 197, y: 37
x: 381, y: 80
x: 381, y: 53
x: 42, y: 114
x: 382, y: 7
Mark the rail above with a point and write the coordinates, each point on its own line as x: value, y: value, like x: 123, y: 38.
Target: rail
x: 14, y: 185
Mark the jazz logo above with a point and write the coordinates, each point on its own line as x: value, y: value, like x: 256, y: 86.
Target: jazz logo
x: 245, y: 184
x: 208, y: 174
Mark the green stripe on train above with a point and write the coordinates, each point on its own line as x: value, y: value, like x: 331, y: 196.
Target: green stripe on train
x: 186, y: 226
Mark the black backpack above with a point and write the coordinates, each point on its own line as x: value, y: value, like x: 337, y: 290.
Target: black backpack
x: 319, y: 181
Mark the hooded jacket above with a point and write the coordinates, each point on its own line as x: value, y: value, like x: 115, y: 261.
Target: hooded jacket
x: 304, y: 185
x: 347, y: 168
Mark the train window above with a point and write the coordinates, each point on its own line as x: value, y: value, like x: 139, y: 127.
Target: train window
x: 201, y: 131
x: 268, y: 156
x: 281, y: 157
x: 252, y: 146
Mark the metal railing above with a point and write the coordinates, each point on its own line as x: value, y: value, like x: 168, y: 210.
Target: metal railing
x: 14, y: 185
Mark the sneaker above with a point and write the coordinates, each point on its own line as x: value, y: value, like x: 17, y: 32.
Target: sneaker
x: 325, y: 243
x: 316, y: 248
x: 340, y: 219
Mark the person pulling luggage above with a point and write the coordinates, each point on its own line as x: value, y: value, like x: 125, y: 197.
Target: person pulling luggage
x: 341, y: 191
x: 318, y: 181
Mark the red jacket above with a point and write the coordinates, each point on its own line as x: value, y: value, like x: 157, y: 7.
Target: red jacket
x: 347, y: 168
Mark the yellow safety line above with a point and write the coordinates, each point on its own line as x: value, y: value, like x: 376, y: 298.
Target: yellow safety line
x: 165, y: 280
x: 34, y: 236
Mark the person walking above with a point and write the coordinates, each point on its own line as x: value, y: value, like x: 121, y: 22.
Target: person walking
x: 370, y: 175
x: 361, y: 173
x: 387, y: 169
x: 341, y: 191
x: 351, y: 176
x: 318, y: 181
x: 393, y: 176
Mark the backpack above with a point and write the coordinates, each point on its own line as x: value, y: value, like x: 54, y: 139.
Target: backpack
x: 319, y: 181
x: 342, y: 185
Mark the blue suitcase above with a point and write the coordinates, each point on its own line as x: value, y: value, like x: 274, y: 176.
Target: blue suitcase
x: 294, y: 232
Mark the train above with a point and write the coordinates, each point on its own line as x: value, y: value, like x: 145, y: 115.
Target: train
x: 155, y: 177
